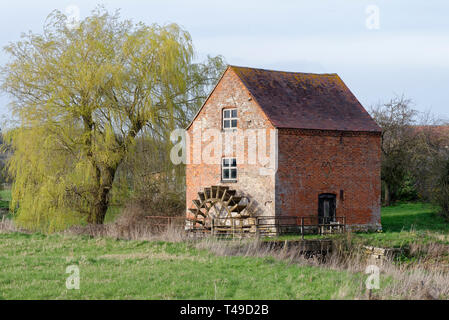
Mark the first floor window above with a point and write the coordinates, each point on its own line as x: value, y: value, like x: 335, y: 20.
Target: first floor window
x: 229, y: 118
x: 229, y: 169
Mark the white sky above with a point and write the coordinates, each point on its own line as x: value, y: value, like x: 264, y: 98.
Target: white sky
x: 408, y: 54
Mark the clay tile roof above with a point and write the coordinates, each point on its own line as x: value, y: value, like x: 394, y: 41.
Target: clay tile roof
x: 438, y: 133
x: 440, y: 130
x: 306, y: 100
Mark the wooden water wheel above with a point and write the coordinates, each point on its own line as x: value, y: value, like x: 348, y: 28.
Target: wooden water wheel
x: 218, y: 209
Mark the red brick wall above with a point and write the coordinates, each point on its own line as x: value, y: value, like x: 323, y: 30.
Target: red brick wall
x: 310, y: 163
x: 315, y: 162
x: 230, y: 92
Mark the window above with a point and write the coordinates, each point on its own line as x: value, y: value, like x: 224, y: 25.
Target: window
x: 229, y: 118
x: 229, y: 169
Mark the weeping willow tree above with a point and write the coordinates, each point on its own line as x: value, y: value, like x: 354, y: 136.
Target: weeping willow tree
x: 82, y: 96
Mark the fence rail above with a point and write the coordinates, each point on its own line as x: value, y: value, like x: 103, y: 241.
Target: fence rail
x: 300, y: 225
x: 260, y: 226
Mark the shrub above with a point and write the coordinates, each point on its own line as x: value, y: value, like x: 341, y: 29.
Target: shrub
x: 441, y: 194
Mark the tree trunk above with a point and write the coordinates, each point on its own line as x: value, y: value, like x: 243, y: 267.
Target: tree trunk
x: 100, y: 207
x: 387, y: 195
x: 104, y: 175
x: 101, y: 204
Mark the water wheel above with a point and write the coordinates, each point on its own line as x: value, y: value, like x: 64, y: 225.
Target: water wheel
x: 220, y: 210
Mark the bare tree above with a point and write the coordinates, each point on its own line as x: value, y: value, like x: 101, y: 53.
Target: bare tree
x: 431, y: 164
x: 396, y: 118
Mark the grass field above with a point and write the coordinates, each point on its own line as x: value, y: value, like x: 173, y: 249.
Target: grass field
x: 33, y: 266
x: 404, y: 224
x: 5, y: 197
x: 408, y: 223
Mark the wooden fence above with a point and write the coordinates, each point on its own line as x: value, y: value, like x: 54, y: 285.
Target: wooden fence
x: 269, y: 226
x: 260, y: 226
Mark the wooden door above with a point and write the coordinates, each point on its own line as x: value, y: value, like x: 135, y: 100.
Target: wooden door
x: 326, y: 208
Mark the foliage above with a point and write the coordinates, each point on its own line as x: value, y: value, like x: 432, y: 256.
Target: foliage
x: 396, y: 119
x: 428, y: 157
x: 441, y: 192
x: 83, y: 96
x: 413, y: 148
x: 4, y: 154
x: 407, y: 189
x: 149, y: 177
x: 157, y: 202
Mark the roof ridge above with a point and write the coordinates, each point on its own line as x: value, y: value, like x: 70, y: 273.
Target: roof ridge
x: 294, y: 72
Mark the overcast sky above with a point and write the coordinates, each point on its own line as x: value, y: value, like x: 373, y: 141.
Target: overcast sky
x: 379, y: 48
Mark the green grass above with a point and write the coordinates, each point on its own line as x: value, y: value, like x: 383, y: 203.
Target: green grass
x: 403, y: 224
x: 407, y: 223
x: 5, y: 197
x: 415, y: 216
x: 33, y: 267
x: 5, y: 194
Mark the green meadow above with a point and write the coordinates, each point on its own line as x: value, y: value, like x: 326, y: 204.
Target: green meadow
x: 33, y: 266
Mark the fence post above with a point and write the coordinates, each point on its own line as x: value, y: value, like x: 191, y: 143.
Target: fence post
x: 257, y: 227
x: 320, y: 231
x: 302, y: 228
x: 276, y: 226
